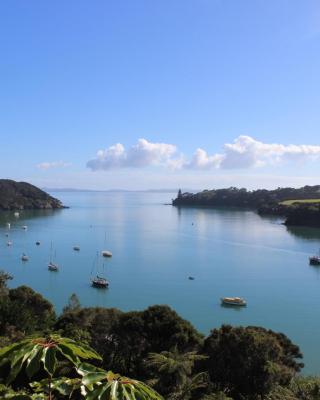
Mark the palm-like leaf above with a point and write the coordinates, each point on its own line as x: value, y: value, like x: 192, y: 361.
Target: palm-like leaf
x: 174, y: 363
x: 103, y: 385
x: 195, y: 382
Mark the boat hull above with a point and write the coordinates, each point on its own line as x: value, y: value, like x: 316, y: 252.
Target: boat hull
x: 53, y: 267
x: 239, y: 303
x: 106, y: 253
x: 314, y: 260
x: 100, y: 285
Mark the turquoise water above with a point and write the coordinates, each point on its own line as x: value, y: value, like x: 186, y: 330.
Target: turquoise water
x: 156, y: 247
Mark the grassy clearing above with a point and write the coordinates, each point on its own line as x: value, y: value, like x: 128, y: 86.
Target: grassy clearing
x: 302, y: 201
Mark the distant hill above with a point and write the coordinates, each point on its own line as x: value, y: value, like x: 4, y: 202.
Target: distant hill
x: 22, y: 195
x: 243, y: 198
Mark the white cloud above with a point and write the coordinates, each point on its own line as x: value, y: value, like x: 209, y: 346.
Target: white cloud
x: 201, y: 160
x: 53, y: 164
x: 245, y: 152
x: 142, y: 154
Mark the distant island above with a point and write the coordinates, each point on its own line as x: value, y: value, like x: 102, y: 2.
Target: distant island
x: 299, y: 207
x: 22, y: 195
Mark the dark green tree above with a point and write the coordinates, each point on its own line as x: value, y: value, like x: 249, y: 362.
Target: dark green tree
x: 4, y: 278
x: 249, y: 361
x: 73, y: 304
x: 27, y: 311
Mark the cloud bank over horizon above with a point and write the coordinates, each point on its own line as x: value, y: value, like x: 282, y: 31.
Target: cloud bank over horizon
x: 245, y: 152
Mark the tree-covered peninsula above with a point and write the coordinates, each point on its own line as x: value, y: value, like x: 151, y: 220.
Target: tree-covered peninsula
x: 22, y: 196
x: 297, y: 206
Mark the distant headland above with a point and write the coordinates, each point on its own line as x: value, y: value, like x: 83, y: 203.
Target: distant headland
x: 299, y: 207
x: 22, y: 196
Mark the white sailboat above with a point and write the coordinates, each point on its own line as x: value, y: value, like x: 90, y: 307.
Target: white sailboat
x: 106, y: 253
x: 52, y: 266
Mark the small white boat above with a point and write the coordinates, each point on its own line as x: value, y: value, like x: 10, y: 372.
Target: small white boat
x: 24, y: 227
x: 8, y: 225
x: 9, y: 243
x: 76, y: 248
x: 16, y: 214
x: 233, y: 301
x: 106, y: 253
x: 24, y: 257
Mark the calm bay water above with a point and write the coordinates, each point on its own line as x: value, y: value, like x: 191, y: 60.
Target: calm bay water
x: 156, y: 247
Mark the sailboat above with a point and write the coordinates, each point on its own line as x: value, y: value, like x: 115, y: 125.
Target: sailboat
x: 52, y: 266
x: 99, y: 281
x: 106, y: 253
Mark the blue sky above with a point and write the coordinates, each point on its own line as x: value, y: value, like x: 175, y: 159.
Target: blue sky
x: 79, y: 77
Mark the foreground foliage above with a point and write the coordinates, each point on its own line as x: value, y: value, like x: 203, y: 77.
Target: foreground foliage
x: 155, y: 346
x: 37, y: 356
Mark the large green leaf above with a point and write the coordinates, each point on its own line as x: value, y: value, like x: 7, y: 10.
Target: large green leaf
x: 103, y: 385
x: 33, y: 361
x: 33, y: 352
x: 49, y: 360
x: 81, y: 350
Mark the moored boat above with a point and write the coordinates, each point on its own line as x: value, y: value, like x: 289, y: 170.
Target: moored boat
x: 76, y: 248
x: 106, y: 253
x: 233, y: 301
x: 24, y: 257
x: 99, y: 282
x: 315, y: 260
x: 52, y: 266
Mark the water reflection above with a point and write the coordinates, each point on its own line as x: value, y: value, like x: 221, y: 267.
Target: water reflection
x: 25, y: 215
x: 304, y: 232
